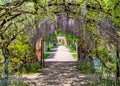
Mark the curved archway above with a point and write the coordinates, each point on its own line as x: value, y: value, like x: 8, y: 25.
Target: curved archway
x: 62, y: 38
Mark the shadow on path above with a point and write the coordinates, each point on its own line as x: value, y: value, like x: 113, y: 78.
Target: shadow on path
x: 60, y: 70
x: 58, y: 74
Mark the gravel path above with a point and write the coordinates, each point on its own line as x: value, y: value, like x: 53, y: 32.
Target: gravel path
x: 60, y: 70
x: 58, y: 74
x: 60, y: 54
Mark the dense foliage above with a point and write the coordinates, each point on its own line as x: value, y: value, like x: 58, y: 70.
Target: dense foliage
x: 94, y: 23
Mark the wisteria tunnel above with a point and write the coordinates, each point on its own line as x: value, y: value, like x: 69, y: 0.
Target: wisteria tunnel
x: 31, y: 29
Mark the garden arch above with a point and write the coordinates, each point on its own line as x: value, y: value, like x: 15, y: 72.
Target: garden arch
x: 77, y: 26
x: 69, y: 13
x: 62, y: 38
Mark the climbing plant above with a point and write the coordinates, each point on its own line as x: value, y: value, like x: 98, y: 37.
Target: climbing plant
x: 94, y: 23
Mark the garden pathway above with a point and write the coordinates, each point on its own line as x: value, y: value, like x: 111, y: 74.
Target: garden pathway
x: 60, y: 70
x: 58, y: 74
x: 60, y: 54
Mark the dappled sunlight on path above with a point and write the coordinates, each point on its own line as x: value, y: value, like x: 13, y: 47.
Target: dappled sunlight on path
x: 60, y: 70
x: 58, y: 74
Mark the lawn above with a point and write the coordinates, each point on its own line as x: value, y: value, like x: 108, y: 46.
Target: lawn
x: 46, y: 55
x: 75, y: 55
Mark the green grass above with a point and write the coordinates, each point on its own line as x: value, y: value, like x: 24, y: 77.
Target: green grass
x: 72, y: 50
x: 46, y: 55
x: 48, y: 51
x: 75, y: 55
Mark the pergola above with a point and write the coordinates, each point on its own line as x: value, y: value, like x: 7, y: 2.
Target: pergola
x: 73, y: 17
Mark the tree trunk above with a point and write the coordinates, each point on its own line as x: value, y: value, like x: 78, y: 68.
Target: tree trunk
x: 42, y: 58
x: 117, y: 63
x: 38, y: 47
x: 5, y: 52
x: 78, y: 50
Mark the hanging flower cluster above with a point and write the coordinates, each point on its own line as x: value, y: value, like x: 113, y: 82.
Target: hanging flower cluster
x: 107, y: 29
x: 69, y: 25
x: 44, y: 28
x: 47, y: 27
x: 63, y: 23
